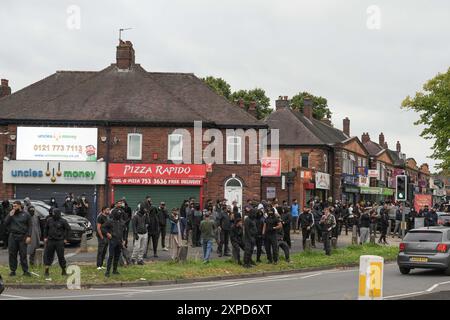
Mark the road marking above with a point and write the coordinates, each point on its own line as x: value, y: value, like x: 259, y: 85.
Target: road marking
x: 437, y: 285
x: 404, y: 295
x: 311, y: 275
x: 12, y: 296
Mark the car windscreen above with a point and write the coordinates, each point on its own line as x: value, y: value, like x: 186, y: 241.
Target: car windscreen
x: 423, y: 236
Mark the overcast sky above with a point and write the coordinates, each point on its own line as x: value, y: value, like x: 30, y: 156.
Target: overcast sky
x: 364, y: 66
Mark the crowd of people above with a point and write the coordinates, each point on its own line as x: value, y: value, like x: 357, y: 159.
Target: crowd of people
x: 259, y: 228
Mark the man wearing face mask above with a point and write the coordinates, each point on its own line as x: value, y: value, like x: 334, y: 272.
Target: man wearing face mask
x: 69, y: 204
x: 114, y: 230
x: 19, y: 224
x: 83, y: 206
x: 53, y: 203
x: 56, y: 233
x: 35, y: 235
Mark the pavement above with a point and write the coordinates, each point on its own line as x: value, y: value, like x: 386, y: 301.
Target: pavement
x: 73, y: 254
x: 313, y: 285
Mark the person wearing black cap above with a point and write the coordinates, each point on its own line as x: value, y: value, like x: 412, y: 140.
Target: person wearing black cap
x: 19, y: 224
x: 56, y: 233
x: 114, y: 230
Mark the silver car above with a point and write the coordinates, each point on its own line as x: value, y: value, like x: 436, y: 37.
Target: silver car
x: 425, y: 248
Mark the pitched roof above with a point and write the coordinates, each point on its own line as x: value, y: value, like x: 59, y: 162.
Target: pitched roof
x: 296, y: 129
x: 373, y: 148
x: 123, y: 96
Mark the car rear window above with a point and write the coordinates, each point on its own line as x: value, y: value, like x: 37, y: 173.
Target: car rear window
x: 424, y: 236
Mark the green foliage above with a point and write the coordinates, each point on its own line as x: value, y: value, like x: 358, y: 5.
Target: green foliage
x: 219, y: 85
x: 257, y: 95
x: 433, y: 106
x: 320, y: 105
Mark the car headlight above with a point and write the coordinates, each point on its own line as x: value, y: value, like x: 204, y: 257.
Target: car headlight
x: 89, y: 225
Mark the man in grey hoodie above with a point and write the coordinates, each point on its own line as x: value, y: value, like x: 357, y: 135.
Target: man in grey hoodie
x: 139, y: 226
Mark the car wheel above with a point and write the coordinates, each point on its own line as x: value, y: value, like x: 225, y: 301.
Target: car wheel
x: 404, y: 270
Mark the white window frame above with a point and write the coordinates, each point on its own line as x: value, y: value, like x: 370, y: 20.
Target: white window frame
x: 130, y: 157
x: 169, y: 156
x: 237, y: 146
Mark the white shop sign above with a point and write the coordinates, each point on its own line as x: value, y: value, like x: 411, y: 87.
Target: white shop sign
x: 53, y: 143
x: 54, y: 172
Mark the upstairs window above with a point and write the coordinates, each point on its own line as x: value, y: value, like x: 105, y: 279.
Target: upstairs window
x: 134, y: 146
x: 175, y: 147
x: 305, y: 160
x: 234, y: 151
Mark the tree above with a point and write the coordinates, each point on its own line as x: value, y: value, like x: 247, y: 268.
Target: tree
x: 257, y: 95
x: 219, y: 85
x: 320, y: 105
x: 433, y: 106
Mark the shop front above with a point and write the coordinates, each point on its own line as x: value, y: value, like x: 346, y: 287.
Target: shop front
x: 350, y: 192
x: 42, y: 180
x: 322, y: 186
x: 377, y: 194
x: 171, y: 183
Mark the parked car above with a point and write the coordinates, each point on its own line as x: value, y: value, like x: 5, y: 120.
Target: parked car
x: 425, y: 248
x: 443, y: 218
x: 78, y: 225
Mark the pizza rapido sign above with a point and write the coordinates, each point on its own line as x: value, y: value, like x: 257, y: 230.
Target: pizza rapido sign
x: 52, y: 143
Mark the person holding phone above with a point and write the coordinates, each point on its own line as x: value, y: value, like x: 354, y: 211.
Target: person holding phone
x: 20, y: 227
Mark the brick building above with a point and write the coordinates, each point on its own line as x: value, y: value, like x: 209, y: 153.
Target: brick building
x: 134, y: 114
x: 317, y: 160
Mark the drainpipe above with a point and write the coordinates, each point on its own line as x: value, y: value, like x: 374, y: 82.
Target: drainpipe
x: 108, y: 146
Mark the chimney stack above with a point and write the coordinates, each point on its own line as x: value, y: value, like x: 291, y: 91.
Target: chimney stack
x: 241, y: 103
x: 282, y: 102
x: 124, y: 55
x: 365, y: 137
x: 5, y: 90
x: 307, y: 107
x: 399, y: 147
x: 386, y: 145
x: 346, y: 126
x: 381, y: 140
x: 252, y: 109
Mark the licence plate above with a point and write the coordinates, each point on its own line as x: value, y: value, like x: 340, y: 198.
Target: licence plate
x: 418, y: 259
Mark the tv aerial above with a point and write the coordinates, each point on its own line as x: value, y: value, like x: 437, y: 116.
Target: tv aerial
x: 120, y: 32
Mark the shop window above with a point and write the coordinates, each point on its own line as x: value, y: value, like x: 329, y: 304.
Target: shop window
x: 134, y: 146
x: 234, y: 151
x: 175, y: 149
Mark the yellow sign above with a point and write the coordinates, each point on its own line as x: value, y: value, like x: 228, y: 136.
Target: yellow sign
x: 376, y: 271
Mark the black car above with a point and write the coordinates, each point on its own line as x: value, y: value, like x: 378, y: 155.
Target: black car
x: 78, y: 225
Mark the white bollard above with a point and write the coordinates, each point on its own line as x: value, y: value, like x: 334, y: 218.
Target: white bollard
x: 370, y: 278
x: 83, y: 243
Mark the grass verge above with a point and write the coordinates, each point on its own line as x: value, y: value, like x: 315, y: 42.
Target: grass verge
x: 196, y: 269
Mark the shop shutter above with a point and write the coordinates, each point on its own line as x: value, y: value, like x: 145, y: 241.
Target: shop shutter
x: 173, y: 196
x: 45, y: 191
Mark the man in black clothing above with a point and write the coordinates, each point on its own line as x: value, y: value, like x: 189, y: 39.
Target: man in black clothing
x: 5, y: 208
x: 250, y: 233
x: 283, y: 245
x: 306, y: 224
x: 115, y: 232
x: 126, y: 219
x: 328, y: 222
x: 82, y: 206
x: 237, y: 240
x: 259, y: 221
x: 317, y: 212
x: 163, y: 215
x: 270, y: 229
x: 286, y: 220
x: 20, y: 226
x: 224, y: 225
x: 153, y: 227
x: 56, y: 232
x: 69, y: 204
x: 101, y: 238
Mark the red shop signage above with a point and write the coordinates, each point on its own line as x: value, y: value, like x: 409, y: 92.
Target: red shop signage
x: 156, y: 174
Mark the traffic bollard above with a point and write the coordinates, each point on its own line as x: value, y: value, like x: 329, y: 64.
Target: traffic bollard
x: 83, y: 243
x: 307, y: 245
x: 334, y: 243
x: 370, y: 278
x: 39, y: 257
x: 354, y: 235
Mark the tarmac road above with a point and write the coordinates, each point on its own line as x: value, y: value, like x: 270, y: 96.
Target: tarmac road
x: 321, y: 285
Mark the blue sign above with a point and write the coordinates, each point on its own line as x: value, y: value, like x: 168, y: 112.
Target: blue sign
x: 27, y: 173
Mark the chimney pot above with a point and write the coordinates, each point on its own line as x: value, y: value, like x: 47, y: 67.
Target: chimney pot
x: 307, y: 107
x: 346, y: 126
x: 124, y: 55
x: 282, y: 102
x: 365, y: 137
x: 5, y: 90
x: 381, y: 139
